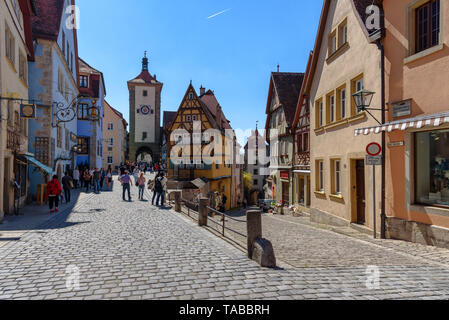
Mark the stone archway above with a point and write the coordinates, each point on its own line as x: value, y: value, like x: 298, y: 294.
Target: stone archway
x: 144, y: 154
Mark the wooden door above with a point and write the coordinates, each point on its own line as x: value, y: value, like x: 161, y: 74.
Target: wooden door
x: 360, y: 191
x: 6, y: 183
x: 285, y: 193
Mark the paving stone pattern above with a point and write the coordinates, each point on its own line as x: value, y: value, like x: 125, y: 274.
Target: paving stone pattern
x: 136, y: 251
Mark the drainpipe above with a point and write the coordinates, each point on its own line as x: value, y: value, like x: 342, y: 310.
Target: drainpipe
x: 380, y: 45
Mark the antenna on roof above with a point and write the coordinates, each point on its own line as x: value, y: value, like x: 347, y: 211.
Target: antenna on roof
x: 278, y: 67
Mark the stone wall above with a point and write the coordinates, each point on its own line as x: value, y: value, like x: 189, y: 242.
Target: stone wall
x: 417, y: 232
x: 321, y: 217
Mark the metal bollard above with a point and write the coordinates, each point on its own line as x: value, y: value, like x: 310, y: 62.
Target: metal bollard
x: 203, y: 211
x: 254, y: 228
x: 177, y: 201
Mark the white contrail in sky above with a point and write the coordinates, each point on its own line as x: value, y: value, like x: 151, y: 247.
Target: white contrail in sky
x: 217, y: 14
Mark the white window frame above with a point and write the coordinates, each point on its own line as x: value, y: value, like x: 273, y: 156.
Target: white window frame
x: 343, y: 103
x: 320, y: 175
x: 337, y: 177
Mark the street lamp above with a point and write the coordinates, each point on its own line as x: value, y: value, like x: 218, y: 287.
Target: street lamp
x: 363, y: 100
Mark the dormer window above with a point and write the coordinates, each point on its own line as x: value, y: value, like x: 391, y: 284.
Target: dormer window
x: 84, y: 81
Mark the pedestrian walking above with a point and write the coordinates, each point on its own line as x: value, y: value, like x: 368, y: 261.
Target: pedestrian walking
x: 126, y: 182
x: 160, y: 186
x: 223, y: 205
x: 76, y: 177
x: 86, y: 178
x: 151, y: 187
x: 136, y: 174
x: 67, y: 185
x: 54, y: 192
x: 109, y: 178
x: 102, y: 177
x: 96, y: 180
x: 141, y: 184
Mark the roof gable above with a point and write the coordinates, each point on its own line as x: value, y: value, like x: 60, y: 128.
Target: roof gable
x: 195, y: 102
x: 286, y: 86
x: 359, y: 8
x: 303, y: 93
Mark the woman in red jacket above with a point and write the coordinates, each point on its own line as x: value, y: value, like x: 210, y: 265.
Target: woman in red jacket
x: 54, y: 191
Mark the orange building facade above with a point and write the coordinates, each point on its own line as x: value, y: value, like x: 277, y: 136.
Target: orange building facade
x: 417, y: 129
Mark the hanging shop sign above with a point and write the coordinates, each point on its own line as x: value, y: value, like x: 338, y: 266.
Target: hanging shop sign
x: 28, y: 111
x: 402, y: 108
x: 64, y: 113
x: 94, y: 113
x: 285, y: 175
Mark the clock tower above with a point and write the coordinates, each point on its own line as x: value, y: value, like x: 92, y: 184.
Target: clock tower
x: 145, y: 116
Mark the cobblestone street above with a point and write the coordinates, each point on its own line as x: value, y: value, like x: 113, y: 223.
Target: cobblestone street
x: 136, y: 251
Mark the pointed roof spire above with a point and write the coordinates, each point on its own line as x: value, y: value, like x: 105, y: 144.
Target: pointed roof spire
x: 145, y: 62
x: 278, y: 67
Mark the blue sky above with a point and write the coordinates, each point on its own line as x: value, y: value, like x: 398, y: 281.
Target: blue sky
x: 232, y: 53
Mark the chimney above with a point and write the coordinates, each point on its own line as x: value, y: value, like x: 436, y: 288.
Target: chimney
x: 202, y: 91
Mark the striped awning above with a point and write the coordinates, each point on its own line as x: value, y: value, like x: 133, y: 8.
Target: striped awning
x: 433, y: 120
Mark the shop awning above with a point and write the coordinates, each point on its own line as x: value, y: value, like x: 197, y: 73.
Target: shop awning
x: 433, y: 120
x: 41, y: 166
x: 301, y: 171
x: 200, y: 183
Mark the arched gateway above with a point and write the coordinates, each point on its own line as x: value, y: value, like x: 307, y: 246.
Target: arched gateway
x: 144, y: 154
x: 145, y: 115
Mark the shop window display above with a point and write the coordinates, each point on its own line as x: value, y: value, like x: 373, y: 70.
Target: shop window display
x: 432, y: 168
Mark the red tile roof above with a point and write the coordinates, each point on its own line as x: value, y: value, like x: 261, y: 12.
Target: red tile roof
x: 168, y: 118
x: 212, y: 104
x: 47, y: 21
x: 145, y: 76
x: 288, y: 86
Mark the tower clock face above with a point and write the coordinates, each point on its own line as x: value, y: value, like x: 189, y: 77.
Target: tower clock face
x: 145, y: 110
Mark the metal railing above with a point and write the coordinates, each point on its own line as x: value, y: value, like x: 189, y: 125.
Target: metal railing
x: 191, y: 206
x: 223, y: 225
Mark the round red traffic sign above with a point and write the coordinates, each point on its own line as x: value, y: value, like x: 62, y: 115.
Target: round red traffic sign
x: 373, y: 149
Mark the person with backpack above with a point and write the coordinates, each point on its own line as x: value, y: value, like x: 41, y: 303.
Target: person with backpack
x: 151, y: 187
x: 54, y: 191
x: 102, y: 178
x: 160, y: 185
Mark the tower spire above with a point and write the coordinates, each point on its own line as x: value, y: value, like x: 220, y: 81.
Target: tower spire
x: 145, y: 62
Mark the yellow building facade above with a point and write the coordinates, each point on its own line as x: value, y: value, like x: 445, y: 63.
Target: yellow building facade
x: 344, y: 62
x: 14, y: 54
x: 114, y: 138
x: 197, y: 146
